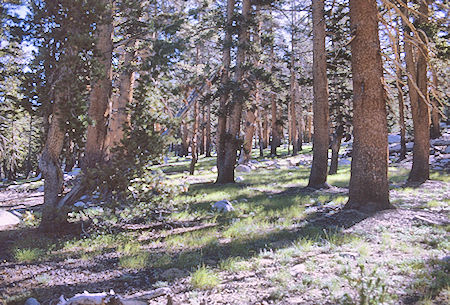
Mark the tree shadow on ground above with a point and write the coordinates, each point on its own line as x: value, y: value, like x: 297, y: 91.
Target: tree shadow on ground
x: 316, y: 227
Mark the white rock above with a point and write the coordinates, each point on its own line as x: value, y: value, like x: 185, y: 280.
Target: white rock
x: 241, y: 168
x: 40, y: 189
x: 239, y: 179
x: 447, y: 150
x: 8, y: 219
x: 32, y: 301
x: 223, y: 206
x: 214, y: 169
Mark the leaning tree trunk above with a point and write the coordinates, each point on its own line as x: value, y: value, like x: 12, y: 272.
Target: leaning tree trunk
x: 369, y: 185
x: 52, y: 218
x: 224, y: 174
x: 420, y: 170
x: 100, y: 92
x: 318, y: 176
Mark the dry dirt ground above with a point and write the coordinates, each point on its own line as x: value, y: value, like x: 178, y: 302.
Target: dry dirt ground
x: 319, y: 254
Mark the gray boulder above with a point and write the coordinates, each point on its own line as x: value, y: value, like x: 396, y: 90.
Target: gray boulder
x: 223, y: 206
x: 8, y: 219
x: 32, y: 301
x: 241, y: 168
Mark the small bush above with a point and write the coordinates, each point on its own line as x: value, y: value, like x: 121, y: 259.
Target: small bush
x: 204, y: 278
x: 28, y: 255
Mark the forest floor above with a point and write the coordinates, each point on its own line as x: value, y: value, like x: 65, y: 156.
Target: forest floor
x: 283, y: 244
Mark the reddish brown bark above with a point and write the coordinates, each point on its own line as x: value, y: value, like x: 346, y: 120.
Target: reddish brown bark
x: 318, y: 176
x: 420, y: 170
x: 101, y: 91
x: 369, y: 186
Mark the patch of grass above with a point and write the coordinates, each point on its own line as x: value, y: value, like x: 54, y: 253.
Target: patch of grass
x: 204, y: 278
x: 28, y: 255
x: 192, y: 239
x: 247, y: 228
x: 129, y: 248
x: 234, y: 264
x: 161, y: 261
x: 136, y: 261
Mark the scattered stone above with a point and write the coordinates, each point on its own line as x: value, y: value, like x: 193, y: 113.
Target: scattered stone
x: 241, y: 168
x: 40, y: 189
x: 239, y: 179
x: 298, y: 269
x: 32, y: 301
x: 214, y: 169
x: 447, y: 150
x: 8, y: 219
x: 223, y: 206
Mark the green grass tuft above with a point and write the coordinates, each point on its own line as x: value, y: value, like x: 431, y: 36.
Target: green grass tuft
x: 204, y: 278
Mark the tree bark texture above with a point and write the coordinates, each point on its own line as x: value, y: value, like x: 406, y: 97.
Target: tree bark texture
x: 119, y: 117
x: 369, y: 185
x: 318, y: 176
x: 51, y: 171
x: 420, y: 170
x: 100, y: 92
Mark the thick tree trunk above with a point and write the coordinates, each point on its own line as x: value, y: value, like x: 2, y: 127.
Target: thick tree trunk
x: 100, y: 92
x: 224, y: 173
x: 119, y: 117
x: 420, y: 171
x: 232, y: 141
x: 369, y: 185
x: 52, y: 217
x: 318, y: 176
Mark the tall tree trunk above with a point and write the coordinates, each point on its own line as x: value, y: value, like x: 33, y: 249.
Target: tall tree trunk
x: 232, y: 140
x: 420, y: 171
x: 265, y: 127
x: 208, y: 130
x: 318, y: 176
x: 308, y: 133
x: 300, y: 119
x: 52, y: 218
x: 194, y: 141
x: 224, y: 175
x: 335, y: 146
x: 369, y: 185
x: 119, y: 117
x: 276, y: 141
x: 435, y: 116
x: 249, y: 130
x: 401, y: 104
x: 100, y: 92
x: 184, y: 149
x: 203, y: 129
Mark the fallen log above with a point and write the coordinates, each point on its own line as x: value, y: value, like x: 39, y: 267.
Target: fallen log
x: 111, y: 298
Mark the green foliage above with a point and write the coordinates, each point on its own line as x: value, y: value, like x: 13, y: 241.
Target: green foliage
x: 204, y: 278
x: 371, y: 288
x: 28, y: 255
